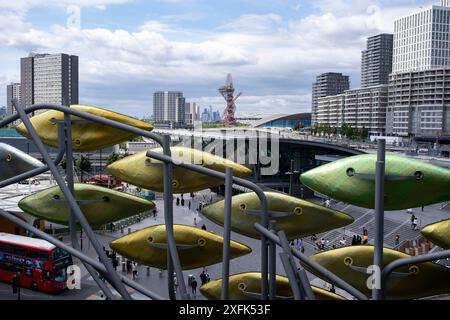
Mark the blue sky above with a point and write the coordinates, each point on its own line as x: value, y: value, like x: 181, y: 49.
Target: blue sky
x: 130, y: 48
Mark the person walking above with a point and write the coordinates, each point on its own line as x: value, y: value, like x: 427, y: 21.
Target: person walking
x: 182, y: 202
x: 134, y: 270
x: 203, y: 277
x: 397, y: 240
x: 204, y: 227
x: 189, y: 204
x: 415, y: 223
x: 178, y: 201
x: 194, y: 287
x: 354, y: 241
x: 195, y: 221
x: 413, y: 217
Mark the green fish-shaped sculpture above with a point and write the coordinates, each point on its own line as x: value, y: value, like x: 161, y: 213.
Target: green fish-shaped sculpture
x: 99, y: 205
x: 438, y: 233
x: 409, y: 183
x: 147, y: 173
x: 247, y: 286
x: 14, y: 162
x: 196, y: 247
x: 86, y: 135
x: 409, y: 282
x: 298, y: 218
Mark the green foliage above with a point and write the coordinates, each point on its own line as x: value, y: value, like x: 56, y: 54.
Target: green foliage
x: 112, y: 157
x: 83, y: 165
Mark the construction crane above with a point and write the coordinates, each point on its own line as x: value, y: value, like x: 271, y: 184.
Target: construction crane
x: 227, y: 92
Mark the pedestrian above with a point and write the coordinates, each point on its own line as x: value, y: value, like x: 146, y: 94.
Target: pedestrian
x: 423, y: 208
x: 178, y: 201
x: 134, y: 270
x: 397, y: 240
x: 327, y: 203
x: 204, y: 227
x: 154, y: 214
x: 358, y: 239
x: 415, y: 223
x: 343, y: 242
x: 195, y: 221
x: 413, y: 217
x: 203, y: 277
x: 303, y: 249
x: 182, y: 202
x: 194, y: 287
x: 322, y: 244
x: 354, y: 241
x: 189, y: 204
x: 365, y: 237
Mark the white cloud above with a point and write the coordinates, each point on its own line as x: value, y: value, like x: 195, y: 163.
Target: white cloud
x: 274, y: 59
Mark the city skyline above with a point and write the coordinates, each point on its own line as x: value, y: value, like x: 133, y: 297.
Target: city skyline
x: 177, y: 46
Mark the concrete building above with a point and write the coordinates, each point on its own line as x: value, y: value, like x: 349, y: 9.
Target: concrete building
x: 421, y: 40
x: 3, y: 112
x: 327, y: 84
x: 49, y: 78
x: 169, y: 107
x: 362, y: 108
x: 12, y: 92
x: 192, y: 113
x: 419, y: 87
x: 419, y: 103
x: 376, y: 60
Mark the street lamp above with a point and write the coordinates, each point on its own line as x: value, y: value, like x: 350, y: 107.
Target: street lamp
x: 291, y: 179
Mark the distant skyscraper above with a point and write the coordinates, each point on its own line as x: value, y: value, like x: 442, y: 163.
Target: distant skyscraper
x: 169, y: 106
x: 376, y: 60
x: 205, y: 117
x: 12, y: 92
x: 49, y: 78
x: 419, y: 87
x: 2, y: 112
x: 421, y: 40
x: 327, y: 84
x: 192, y: 113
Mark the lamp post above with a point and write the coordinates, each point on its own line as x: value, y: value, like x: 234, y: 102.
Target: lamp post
x: 291, y: 178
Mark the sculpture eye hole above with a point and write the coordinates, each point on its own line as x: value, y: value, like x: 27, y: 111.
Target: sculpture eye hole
x: 242, y: 286
x: 350, y: 172
x: 53, y: 121
x: 418, y: 175
x: 175, y: 183
x: 148, y: 161
x: 150, y: 239
x: 8, y: 158
x: 56, y: 197
x: 348, y: 261
x: 243, y: 206
x: 105, y: 199
x: 414, y: 270
x: 201, y: 242
x: 298, y: 211
x: 78, y: 142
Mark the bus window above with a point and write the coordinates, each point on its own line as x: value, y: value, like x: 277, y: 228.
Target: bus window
x: 58, y: 254
x: 60, y: 275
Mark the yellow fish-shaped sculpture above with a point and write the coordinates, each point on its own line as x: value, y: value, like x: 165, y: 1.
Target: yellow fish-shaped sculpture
x: 99, y: 205
x: 438, y: 233
x: 86, y: 135
x: 247, y: 286
x: 147, y: 173
x: 196, y: 247
x: 298, y: 218
x: 409, y: 282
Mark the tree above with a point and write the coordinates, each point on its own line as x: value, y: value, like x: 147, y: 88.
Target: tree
x: 344, y: 129
x: 83, y: 165
x: 364, y: 133
x: 112, y: 157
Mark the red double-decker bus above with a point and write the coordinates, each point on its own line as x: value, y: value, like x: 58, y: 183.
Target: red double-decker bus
x: 39, y: 264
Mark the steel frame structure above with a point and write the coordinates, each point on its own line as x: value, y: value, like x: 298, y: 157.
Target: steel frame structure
x: 269, y: 240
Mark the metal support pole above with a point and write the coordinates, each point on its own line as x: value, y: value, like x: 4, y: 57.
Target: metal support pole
x: 76, y: 253
x: 272, y: 265
x: 289, y: 267
x: 227, y: 233
x: 242, y: 182
x: 291, y: 178
x: 173, y: 259
x: 66, y: 129
x: 314, y: 265
x: 379, y: 216
x: 115, y: 281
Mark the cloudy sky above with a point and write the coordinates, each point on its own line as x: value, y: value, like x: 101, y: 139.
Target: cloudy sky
x: 130, y: 48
